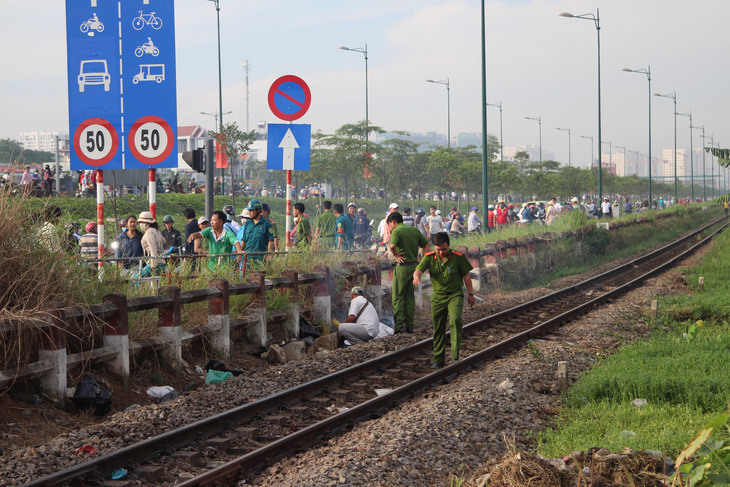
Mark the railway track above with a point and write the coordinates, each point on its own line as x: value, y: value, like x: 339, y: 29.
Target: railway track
x: 235, y: 445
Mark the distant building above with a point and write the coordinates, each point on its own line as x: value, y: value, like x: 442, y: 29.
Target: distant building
x: 532, y: 150
x: 38, y: 140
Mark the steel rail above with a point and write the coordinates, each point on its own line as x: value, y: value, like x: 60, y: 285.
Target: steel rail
x: 257, y: 459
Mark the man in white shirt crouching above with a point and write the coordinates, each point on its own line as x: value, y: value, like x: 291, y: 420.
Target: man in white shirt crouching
x: 362, y: 323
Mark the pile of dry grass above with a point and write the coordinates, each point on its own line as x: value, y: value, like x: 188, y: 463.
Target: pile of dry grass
x: 32, y: 276
x: 520, y: 469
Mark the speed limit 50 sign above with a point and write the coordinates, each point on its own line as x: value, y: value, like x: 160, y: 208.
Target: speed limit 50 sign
x: 151, y: 140
x: 95, y: 141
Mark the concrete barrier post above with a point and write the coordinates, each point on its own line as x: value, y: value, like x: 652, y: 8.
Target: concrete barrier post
x: 171, y: 331
x: 291, y: 327
x: 53, y: 351
x: 257, y: 333
x: 475, y: 259
x: 490, y: 263
x: 219, y: 319
x: 323, y: 298
x: 116, y: 336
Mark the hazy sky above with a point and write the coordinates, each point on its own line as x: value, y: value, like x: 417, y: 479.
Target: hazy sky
x: 538, y: 64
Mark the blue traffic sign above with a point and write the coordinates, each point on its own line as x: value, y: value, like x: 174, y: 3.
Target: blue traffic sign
x: 121, y: 83
x: 289, y: 97
x: 288, y: 146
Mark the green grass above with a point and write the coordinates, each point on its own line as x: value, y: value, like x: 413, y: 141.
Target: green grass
x: 680, y: 369
x: 663, y: 428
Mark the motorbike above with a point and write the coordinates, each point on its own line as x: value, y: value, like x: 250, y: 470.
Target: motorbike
x: 147, y: 48
x: 92, y: 24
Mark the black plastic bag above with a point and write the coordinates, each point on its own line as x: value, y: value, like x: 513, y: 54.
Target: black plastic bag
x: 307, y: 330
x: 89, y: 395
x: 215, y: 365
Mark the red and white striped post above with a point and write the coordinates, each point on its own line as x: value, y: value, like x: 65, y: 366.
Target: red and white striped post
x: 152, y: 192
x: 288, y: 210
x: 100, y: 215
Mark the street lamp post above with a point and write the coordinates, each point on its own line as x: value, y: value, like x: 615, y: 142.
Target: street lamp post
x: 501, y: 140
x: 215, y: 115
x: 448, y: 107
x: 712, y: 164
x: 691, y: 156
x: 704, y: 167
x: 591, y: 138
x: 647, y: 72
x: 566, y: 130
x: 673, y: 96
x: 364, y: 51
x: 220, y: 82
x: 539, y: 122
x: 597, y: 21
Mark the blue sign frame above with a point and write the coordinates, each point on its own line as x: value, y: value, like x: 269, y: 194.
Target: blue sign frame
x: 285, y: 151
x: 122, y: 84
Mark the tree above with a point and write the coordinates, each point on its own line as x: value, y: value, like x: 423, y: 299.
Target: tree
x: 234, y: 142
x: 340, y: 157
x: 397, y: 157
x: 12, y: 152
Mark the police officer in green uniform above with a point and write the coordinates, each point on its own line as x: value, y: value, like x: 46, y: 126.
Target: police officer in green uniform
x: 303, y: 228
x: 345, y: 229
x: 325, y: 232
x: 449, y: 270
x: 257, y: 234
x: 404, y: 244
x: 266, y: 213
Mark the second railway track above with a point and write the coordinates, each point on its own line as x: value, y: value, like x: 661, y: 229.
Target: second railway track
x: 247, y: 439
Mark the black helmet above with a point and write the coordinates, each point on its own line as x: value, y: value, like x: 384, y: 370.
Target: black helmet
x: 265, y: 207
x: 228, y: 209
x: 420, y: 211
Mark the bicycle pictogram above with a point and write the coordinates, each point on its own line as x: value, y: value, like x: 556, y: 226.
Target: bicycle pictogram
x: 147, y: 19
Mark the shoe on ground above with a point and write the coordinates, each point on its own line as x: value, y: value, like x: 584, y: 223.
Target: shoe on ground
x: 455, y: 360
x: 410, y: 330
x: 399, y: 330
x: 437, y: 365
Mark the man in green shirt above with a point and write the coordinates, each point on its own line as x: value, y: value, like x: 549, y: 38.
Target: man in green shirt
x: 449, y: 270
x: 220, y: 240
x: 404, y: 244
x: 345, y: 229
x: 325, y: 232
x: 266, y: 213
x: 303, y: 228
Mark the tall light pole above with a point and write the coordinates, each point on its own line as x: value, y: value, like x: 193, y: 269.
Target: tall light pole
x: 647, y: 72
x: 591, y: 139
x: 673, y: 96
x: 220, y: 82
x: 691, y: 156
x: 566, y: 130
x: 485, y: 138
x: 246, y: 69
x: 214, y: 115
x: 501, y: 140
x: 448, y: 106
x: 538, y: 119
x: 704, y: 167
x: 712, y: 164
x: 597, y: 21
x: 364, y: 51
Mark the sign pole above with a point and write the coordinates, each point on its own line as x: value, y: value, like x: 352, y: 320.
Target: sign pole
x: 288, y: 210
x: 100, y: 216
x: 152, y: 192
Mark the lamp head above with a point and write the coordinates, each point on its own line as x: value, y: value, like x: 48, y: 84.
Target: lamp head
x: 430, y: 81
x: 344, y: 48
x: 566, y: 14
x: 628, y: 70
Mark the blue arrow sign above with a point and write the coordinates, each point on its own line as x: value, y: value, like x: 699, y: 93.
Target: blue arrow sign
x: 289, y: 146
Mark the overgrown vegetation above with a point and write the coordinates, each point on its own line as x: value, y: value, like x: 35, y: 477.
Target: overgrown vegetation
x: 680, y: 370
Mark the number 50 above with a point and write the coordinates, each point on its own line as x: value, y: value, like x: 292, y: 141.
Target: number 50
x: 95, y: 141
x: 150, y: 138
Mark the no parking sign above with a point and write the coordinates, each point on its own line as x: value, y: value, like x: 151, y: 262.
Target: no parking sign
x: 289, y: 98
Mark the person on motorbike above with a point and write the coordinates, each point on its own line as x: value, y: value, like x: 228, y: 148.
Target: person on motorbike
x: 363, y: 230
x: 231, y: 224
